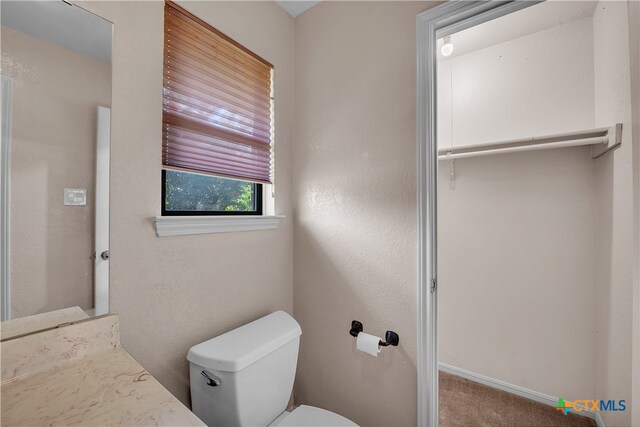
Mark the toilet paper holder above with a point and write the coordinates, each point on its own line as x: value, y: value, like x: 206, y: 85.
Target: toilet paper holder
x: 390, y: 337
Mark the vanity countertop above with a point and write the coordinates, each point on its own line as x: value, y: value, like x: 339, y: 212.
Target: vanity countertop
x: 110, y: 388
x: 83, y: 384
x: 25, y: 325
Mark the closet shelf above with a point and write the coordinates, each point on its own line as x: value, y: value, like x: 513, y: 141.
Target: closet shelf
x: 601, y: 140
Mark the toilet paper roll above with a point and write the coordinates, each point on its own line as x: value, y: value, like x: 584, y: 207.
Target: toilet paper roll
x: 368, y: 343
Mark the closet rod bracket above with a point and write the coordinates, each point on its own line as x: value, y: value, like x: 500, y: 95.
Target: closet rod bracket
x: 613, y: 141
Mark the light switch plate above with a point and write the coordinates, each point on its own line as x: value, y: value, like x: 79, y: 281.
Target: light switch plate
x: 75, y: 197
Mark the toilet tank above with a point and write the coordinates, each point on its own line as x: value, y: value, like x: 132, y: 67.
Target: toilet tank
x: 250, y: 372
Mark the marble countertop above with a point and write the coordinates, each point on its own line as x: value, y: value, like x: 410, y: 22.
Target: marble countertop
x: 24, y: 325
x: 110, y: 388
x: 78, y: 374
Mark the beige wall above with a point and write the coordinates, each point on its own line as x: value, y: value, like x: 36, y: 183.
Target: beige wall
x: 355, y: 206
x: 55, y: 96
x: 615, y: 206
x: 517, y: 268
x: 481, y: 93
x: 634, y: 49
x: 175, y: 292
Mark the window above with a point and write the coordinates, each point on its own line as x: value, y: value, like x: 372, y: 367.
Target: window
x: 217, y: 121
x: 187, y: 193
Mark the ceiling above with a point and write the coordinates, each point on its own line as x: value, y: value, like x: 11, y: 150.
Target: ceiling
x: 296, y: 7
x: 68, y: 26
x: 526, y: 21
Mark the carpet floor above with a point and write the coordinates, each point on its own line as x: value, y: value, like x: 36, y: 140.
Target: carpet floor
x: 468, y: 403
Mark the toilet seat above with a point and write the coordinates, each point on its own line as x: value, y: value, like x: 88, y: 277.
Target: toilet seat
x: 307, y: 416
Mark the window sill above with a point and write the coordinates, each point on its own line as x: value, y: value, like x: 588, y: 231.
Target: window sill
x: 187, y: 225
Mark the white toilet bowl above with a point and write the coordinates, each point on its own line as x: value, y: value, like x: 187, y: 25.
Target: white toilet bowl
x: 310, y: 416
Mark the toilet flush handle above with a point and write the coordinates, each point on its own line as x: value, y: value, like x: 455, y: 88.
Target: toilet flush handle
x: 213, y: 381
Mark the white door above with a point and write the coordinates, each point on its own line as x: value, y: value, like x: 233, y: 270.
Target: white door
x: 101, y: 264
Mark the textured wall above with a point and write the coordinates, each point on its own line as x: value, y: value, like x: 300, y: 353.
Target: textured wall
x: 516, y: 261
x: 175, y: 292
x: 634, y: 50
x: 355, y: 206
x: 55, y: 96
x: 614, y: 185
x: 506, y: 90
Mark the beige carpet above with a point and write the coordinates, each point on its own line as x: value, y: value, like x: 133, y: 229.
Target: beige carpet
x: 468, y: 403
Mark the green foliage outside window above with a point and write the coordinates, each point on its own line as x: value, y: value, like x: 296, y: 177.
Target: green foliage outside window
x: 193, y: 192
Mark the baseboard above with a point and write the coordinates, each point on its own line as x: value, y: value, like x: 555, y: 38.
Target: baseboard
x: 598, y: 420
x: 514, y: 389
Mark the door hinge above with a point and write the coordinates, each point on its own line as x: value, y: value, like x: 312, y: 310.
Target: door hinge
x: 434, y: 285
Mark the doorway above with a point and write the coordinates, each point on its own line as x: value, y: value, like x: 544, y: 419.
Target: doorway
x: 529, y: 203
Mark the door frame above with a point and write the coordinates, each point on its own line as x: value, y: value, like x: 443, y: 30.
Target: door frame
x: 5, y: 198
x: 431, y: 25
x: 101, y: 238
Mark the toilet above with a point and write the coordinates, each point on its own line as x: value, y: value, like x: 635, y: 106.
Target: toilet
x: 245, y: 376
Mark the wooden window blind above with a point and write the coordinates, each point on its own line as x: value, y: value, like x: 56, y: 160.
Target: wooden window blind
x: 217, y: 102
